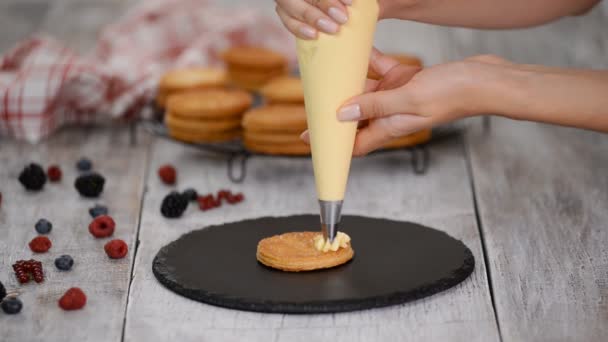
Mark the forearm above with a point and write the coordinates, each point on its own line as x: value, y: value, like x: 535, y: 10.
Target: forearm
x: 489, y: 14
x: 568, y: 97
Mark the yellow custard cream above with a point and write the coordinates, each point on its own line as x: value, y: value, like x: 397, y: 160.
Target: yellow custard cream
x: 323, y: 245
x: 333, y: 69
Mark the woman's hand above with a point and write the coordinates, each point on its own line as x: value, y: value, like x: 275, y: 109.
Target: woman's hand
x: 408, y: 99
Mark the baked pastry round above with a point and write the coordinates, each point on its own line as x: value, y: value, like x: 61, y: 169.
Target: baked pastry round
x: 252, y: 57
x: 210, y: 104
x: 276, y: 118
x: 211, y: 125
x: 417, y: 138
x: 295, y: 252
x: 286, y: 89
x: 179, y: 80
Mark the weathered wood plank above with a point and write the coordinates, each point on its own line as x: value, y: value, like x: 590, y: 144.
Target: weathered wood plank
x: 542, y: 194
x: 105, y: 281
x: 382, y: 185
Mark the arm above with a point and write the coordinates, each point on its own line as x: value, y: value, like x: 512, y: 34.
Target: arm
x: 407, y: 99
x: 489, y: 14
x: 305, y: 18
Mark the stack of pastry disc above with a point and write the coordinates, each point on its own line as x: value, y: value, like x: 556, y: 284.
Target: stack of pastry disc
x: 182, y: 80
x: 212, y: 115
x: 275, y: 129
x: 252, y: 67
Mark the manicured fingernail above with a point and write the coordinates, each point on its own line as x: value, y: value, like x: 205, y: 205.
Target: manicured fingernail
x: 347, y: 2
x: 327, y: 26
x: 350, y: 113
x: 337, y: 15
x: 304, y: 136
x: 308, y: 32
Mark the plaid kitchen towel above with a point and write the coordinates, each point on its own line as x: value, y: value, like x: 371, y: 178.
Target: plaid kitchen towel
x: 44, y: 85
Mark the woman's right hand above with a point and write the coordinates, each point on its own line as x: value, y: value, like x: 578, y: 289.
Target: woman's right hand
x: 305, y: 18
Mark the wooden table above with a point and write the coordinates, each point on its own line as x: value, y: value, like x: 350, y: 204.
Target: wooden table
x: 530, y: 200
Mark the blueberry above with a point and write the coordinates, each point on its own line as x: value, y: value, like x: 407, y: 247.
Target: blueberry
x: 98, y: 210
x: 43, y: 226
x: 64, y: 262
x: 190, y: 194
x: 11, y: 305
x: 84, y: 164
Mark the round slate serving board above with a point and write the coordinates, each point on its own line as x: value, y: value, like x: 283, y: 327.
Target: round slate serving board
x: 395, y: 262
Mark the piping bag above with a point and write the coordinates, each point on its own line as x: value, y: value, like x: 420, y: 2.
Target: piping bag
x: 333, y: 69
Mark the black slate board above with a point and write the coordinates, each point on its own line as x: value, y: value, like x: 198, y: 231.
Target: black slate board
x: 395, y: 262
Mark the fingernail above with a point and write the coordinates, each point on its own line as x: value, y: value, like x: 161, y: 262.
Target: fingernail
x: 304, y: 136
x: 347, y: 2
x: 337, y: 15
x: 350, y: 113
x: 308, y: 32
x: 327, y: 26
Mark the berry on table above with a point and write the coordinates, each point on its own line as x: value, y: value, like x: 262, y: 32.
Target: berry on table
x: 54, y: 173
x: 43, y: 226
x: 190, y: 194
x: 11, y: 305
x: 174, y: 205
x: 40, y: 244
x: 26, y: 268
x: 235, y: 198
x: 167, y: 174
x: 64, y: 263
x: 102, y: 226
x: 98, y: 210
x: 90, y: 185
x: 84, y: 164
x: 73, y: 299
x: 208, y: 202
x: 116, y: 249
x: 33, y: 177
x: 2, y: 291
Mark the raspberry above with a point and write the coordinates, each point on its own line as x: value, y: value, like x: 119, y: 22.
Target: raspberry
x: 167, y: 174
x: 90, y: 185
x: 116, y: 249
x: 11, y: 305
x: 208, y: 202
x: 223, y: 194
x: 84, y: 164
x: 36, y: 271
x: 64, y: 263
x: 174, y: 205
x: 98, y: 210
x: 2, y: 291
x: 102, y: 226
x: 26, y: 268
x: 234, y: 199
x: 190, y: 194
x: 54, y: 173
x: 33, y: 177
x: 73, y: 299
x: 21, y: 271
x: 43, y: 226
x: 40, y: 244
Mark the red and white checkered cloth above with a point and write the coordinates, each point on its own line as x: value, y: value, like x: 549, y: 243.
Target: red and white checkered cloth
x: 44, y: 85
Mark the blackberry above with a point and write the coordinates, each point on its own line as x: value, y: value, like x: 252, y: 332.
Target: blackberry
x: 90, y: 185
x: 174, y: 205
x: 64, y: 262
x: 98, y: 210
x: 43, y: 226
x: 2, y: 291
x: 11, y: 305
x: 84, y: 164
x: 33, y: 177
x: 190, y: 194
